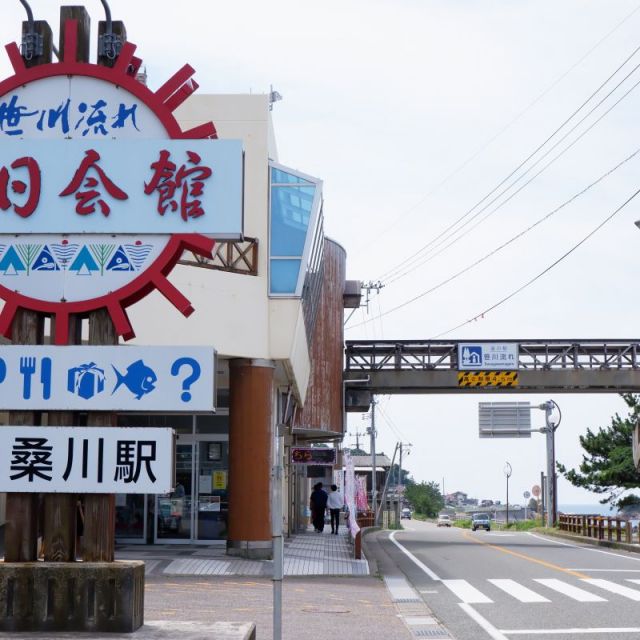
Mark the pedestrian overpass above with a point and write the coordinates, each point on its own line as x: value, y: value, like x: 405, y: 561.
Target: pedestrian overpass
x: 543, y: 366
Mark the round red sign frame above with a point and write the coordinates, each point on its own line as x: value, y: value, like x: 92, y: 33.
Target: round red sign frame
x: 162, y: 103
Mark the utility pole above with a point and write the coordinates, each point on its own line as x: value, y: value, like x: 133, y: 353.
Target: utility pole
x: 368, y: 287
x: 357, y: 435
x: 550, y: 431
x: 372, y: 433
x: 401, y: 445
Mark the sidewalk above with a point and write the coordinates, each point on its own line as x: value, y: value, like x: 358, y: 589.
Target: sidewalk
x: 306, y: 554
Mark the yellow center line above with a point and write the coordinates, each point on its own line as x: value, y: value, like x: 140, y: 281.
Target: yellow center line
x: 523, y: 556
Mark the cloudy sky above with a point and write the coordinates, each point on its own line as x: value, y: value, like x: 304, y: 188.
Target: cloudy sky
x: 412, y: 112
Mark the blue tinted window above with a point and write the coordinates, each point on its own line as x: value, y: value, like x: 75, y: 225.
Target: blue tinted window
x: 290, y: 213
x: 278, y: 176
x: 284, y: 276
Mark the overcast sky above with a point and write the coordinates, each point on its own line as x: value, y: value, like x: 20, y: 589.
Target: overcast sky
x: 412, y: 111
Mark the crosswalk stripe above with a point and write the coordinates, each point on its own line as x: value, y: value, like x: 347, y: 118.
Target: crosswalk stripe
x: 569, y: 590
x: 636, y: 580
x: 619, y: 589
x: 518, y: 591
x: 467, y: 593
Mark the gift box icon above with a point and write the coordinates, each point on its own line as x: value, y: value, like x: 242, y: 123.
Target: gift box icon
x: 85, y: 380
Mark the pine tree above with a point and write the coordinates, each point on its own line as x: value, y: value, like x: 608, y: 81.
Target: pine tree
x: 607, y: 467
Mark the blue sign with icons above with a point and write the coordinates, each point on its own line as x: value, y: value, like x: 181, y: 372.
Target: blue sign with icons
x: 488, y: 356
x: 113, y: 378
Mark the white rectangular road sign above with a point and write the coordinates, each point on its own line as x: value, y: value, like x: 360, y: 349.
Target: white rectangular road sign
x: 86, y: 459
x: 487, y: 356
x: 113, y: 378
x: 504, y: 419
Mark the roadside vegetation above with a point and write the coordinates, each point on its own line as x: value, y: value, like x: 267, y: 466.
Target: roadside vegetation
x: 607, y: 465
x: 425, y: 497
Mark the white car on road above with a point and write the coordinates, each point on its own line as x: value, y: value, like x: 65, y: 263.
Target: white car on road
x: 444, y: 520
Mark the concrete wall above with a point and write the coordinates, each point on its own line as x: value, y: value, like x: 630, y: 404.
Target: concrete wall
x: 233, y: 312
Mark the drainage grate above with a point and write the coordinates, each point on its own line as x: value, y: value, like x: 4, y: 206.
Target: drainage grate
x: 431, y: 633
x: 406, y: 600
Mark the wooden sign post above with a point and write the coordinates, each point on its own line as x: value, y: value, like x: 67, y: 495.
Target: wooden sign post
x: 97, y: 594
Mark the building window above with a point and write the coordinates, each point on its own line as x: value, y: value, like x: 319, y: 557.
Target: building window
x: 295, y: 218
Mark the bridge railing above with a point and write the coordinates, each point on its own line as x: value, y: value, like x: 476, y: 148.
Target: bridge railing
x: 608, y: 528
x: 365, y: 355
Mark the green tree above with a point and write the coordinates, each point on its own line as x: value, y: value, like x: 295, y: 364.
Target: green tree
x: 607, y: 467
x: 425, y: 497
x: 393, y: 472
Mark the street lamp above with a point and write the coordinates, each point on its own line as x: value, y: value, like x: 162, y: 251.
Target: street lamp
x: 507, y: 472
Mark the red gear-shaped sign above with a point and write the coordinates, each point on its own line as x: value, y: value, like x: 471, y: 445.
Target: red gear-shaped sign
x: 161, y: 103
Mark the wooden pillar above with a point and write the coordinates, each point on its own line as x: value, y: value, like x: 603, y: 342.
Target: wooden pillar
x: 118, y: 29
x: 60, y: 510
x: 84, y: 31
x: 250, y: 430
x: 43, y: 29
x: 98, y: 544
x: 21, y: 530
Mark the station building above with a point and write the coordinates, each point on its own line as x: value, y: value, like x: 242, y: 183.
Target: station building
x: 272, y: 305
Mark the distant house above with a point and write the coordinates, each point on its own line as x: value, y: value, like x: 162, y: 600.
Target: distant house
x: 458, y: 498
x: 362, y: 467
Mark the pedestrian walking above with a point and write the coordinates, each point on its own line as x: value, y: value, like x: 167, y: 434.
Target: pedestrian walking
x: 335, y: 502
x: 318, y: 504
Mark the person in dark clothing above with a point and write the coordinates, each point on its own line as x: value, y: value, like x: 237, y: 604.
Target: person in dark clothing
x: 318, y: 504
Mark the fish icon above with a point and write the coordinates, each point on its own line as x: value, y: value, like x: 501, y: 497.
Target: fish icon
x: 139, y: 379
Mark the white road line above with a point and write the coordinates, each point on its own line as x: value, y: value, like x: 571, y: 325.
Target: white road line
x: 584, y: 548
x: 466, y: 592
x: 633, y: 580
x: 496, y: 634
x: 619, y: 589
x: 518, y: 591
x: 410, y: 555
x: 573, y: 630
x: 569, y: 590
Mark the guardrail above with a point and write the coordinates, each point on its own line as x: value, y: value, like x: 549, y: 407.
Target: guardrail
x: 601, y: 528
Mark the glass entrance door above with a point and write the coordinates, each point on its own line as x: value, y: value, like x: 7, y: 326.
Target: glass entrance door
x: 212, y: 474
x: 197, y: 509
x: 174, y: 518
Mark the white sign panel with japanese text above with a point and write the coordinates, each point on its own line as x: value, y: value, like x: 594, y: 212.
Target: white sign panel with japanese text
x: 487, y: 356
x: 121, y: 186
x: 110, y: 378
x: 86, y: 459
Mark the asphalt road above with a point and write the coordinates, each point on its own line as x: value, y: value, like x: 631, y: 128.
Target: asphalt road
x: 508, y: 586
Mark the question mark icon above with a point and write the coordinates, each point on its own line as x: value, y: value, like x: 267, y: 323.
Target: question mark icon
x: 190, y: 379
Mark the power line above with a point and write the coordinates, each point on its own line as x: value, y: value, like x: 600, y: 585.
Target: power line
x: 431, y: 256
x: 511, y: 240
x: 544, y: 271
x: 391, y: 271
x: 489, y: 142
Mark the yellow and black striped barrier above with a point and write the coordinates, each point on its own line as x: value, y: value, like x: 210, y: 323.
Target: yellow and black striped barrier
x: 487, y: 378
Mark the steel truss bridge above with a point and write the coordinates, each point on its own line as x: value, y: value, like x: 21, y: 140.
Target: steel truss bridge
x: 544, y: 366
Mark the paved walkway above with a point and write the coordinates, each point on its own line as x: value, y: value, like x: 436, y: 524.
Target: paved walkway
x: 306, y: 554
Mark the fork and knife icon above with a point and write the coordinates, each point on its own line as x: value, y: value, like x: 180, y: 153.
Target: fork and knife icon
x: 28, y: 368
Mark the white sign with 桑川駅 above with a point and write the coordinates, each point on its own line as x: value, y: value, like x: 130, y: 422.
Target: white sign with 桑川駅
x: 86, y: 459
x: 121, y: 186
x: 107, y: 378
